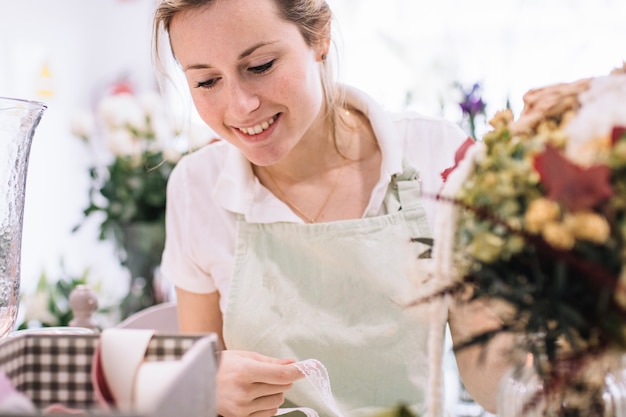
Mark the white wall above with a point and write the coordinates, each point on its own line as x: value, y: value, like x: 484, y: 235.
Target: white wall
x: 509, y: 46
x: 388, y: 48
x: 86, y: 44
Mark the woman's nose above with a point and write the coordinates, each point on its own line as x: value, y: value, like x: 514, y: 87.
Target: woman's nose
x: 241, y: 100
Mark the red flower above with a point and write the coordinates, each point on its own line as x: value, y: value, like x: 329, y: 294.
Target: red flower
x: 617, y: 134
x: 575, y: 187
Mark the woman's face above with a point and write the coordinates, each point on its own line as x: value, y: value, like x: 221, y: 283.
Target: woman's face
x: 252, y: 77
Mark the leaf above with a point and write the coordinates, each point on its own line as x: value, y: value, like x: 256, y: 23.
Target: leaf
x: 458, y: 156
x: 575, y: 187
x: 617, y: 134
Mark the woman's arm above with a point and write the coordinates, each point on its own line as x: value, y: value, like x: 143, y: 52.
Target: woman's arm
x: 199, y: 313
x: 480, y: 367
x: 247, y: 383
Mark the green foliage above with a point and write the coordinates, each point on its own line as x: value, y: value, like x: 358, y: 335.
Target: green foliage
x: 49, y: 305
x: 132, y: 190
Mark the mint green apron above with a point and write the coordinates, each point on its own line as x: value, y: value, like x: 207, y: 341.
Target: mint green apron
x: 335, y: 292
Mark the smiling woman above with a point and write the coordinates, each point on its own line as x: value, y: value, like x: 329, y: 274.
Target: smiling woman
x: 303, y: 216
x: 229, y: 80
x: 403, y: 53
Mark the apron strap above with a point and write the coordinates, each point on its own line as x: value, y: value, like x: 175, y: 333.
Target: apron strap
x: 405, y: 190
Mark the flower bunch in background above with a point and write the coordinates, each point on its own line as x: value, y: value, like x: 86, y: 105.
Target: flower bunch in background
x: 534, y: 222
x: 136, y: 144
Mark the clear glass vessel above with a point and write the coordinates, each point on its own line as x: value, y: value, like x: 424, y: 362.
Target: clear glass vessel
x: 18, y: 121
x: 592, y: 387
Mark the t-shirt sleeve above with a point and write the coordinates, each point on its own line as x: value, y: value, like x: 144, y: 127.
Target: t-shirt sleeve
x: 179, y: 264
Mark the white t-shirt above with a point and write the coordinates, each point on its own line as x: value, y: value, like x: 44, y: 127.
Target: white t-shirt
x: 209, y: 188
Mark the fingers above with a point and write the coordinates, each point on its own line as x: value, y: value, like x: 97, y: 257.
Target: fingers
x: 256, y: 368
x: 278, y: 374
x: 250, y: 384
x: 268, y: 405
x: 259, y: 407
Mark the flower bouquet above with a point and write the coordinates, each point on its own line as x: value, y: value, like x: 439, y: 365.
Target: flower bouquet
x: 533, y: 221
x: 142, y: 144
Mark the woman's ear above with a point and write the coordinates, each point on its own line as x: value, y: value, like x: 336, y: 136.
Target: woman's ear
x: 324, y: 43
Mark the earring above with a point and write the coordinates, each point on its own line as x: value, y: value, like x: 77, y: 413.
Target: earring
x: 324, y: 56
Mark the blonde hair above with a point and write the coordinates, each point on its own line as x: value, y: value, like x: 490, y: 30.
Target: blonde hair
x: 312, y: 17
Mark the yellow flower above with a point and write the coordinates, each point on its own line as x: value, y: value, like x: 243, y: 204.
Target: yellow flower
x: 619, y: 152
x: 515, y: 244
x: 592, y: 152
x: 558, y: 235
x: 557, y: 138
x: 540, y: 212
x: 501, y: 118
x: 486, y: 247
x: 587, y: 225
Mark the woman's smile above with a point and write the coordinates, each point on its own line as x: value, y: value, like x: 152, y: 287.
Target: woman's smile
x: 258, y: 128
x: 259, y: 132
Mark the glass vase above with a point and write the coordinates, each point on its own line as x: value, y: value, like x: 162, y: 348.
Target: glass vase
x: 590, y: 386
x: 18, y: 121
x: 142, y: 244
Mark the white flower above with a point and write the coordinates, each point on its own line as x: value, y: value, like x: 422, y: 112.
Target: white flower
x: 36, y: 309
x: 603, y: 107
x: 122, y: 110
x: 152, y: 104
x: 83, y: 124
x: 122, y: 142
x: 171, y: 154
x: 162, y: 130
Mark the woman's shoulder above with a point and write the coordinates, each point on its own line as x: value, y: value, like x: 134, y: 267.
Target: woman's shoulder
x: 203, y: 164
x: 409, y: 126
x: 210, y: 154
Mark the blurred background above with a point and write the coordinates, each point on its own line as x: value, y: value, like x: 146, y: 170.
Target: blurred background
x: 428, y: 56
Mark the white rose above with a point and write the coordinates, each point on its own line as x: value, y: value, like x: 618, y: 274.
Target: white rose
x: 171, y: 155
x: 82, y: 124
x: 162, y: 130
x: 36, y: 309
x: 603, y: 107
x: 151, y: 103
x: 122, y: 110
x: 121, y: 142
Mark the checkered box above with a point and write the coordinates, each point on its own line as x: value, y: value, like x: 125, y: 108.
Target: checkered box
x: 56, y: 368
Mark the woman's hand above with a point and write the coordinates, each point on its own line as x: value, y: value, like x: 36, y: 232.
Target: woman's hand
x: 250, y: 384
x: 481, y: 366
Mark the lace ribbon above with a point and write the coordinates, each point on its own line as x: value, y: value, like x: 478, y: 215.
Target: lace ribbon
x: 317, y: 375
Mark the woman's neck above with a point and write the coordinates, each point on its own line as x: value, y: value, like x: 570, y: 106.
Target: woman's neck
x: 322, y: 181
x: 323, y: 148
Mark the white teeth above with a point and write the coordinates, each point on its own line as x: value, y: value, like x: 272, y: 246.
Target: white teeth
x: 258, y: 128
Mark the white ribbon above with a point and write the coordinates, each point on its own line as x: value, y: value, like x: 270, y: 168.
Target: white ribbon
x: 315, y: 372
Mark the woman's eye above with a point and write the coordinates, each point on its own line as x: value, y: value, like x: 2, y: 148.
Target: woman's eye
x: 206, y: 84
x: 262, y: 68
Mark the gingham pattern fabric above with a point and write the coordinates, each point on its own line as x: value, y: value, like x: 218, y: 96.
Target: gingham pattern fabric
x: 53, y: 369
x: 163, y: 348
